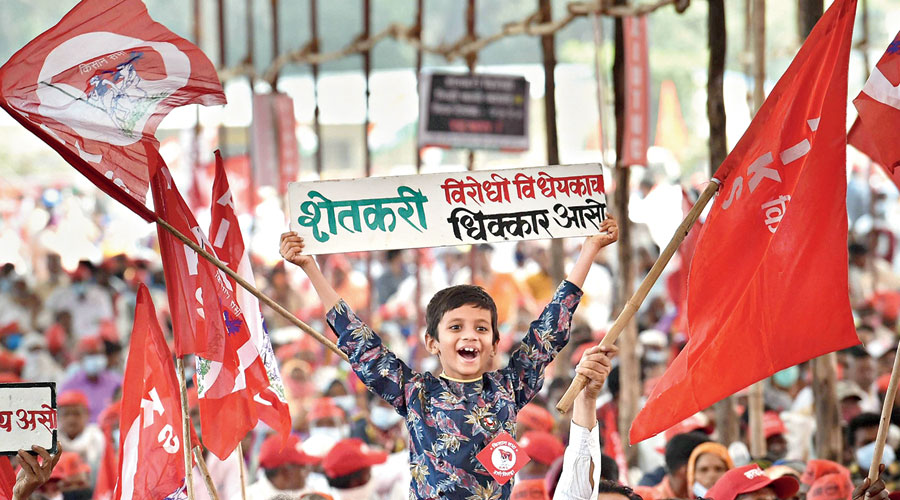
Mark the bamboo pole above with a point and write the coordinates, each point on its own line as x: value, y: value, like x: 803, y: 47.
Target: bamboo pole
x: 885, y: 422
x: 314, y: 44
x: 201, y: 464
x: 240, y: 452
x: 755, y: 407
x: 631, y: 307
x: 252, y: 289
x: 185, y: 428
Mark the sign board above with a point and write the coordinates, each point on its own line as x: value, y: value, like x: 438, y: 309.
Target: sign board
x: 459, y: 208
x: 473, y: 111
x: 27, y: 416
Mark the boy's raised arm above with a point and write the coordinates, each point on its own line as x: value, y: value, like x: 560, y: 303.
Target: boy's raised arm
x: 609, y: 233
x: 292, y: 251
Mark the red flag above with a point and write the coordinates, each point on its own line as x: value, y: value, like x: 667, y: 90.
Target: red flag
x: 270, y: 403
x: 108, y: 470
x: 201, y: 303
x: 878, y: 105
x: 768, y: 281
x: 7, y: 479
x: 637, y: 91
x: 151, y: 455
x: 227, y: 389
x: 95, y: 86
x: 859, y: 138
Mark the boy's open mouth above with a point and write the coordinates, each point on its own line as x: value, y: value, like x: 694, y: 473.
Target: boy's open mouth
x: 468, y: 353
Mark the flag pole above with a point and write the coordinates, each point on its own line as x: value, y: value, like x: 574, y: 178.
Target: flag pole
x: 240, y: 450
x: 885, y: 423
x: 186, y: 430
x: 201, y: 464
x: 631, y: 307
x: 252, y: 289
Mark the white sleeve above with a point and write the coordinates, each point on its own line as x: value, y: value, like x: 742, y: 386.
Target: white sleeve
x: 576, y: 481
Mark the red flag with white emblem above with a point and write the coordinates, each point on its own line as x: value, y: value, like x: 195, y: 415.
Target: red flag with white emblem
x: 269, y: 403
x: 95, y: 87
x: 878, y: 105
x: 151, y: 457
x: 768, y: 281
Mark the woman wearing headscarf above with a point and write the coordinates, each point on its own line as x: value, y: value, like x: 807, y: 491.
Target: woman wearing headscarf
x: 708, y: 462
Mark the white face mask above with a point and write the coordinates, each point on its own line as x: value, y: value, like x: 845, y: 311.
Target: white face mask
x: 334, y: 433
x: 384, y: 418
x: 346, y: 403
x: 93, y: 364
x: 699, y: 490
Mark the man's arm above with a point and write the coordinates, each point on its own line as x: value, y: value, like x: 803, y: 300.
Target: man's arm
x: 581, y: 461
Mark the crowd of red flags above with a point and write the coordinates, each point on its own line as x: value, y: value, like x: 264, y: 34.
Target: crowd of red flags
x: 768, y: 283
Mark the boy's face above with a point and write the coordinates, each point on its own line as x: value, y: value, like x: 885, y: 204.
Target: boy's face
x: 465, y: 346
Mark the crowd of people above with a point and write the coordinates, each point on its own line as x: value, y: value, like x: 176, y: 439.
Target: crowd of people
x: 69, y: 323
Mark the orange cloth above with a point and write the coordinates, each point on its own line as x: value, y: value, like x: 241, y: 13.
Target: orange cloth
x: 709, y: 447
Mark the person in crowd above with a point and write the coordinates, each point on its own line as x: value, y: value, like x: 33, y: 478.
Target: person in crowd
x: 70, y: 479
x: 861, y: 434
x: 88, y: 303
x: 382, y: 427
x: 534, y: 417
x: 39, y: 363
x: 862, y: 371
x: 581, y: 460
x: 92, y: 378
x: 285, y: 468
x: 708, y: 462
x: 348, y: 467
x: 461, y: 329
x: 678, y: 451
x: 76, y: 432
x: 774, y: 432
x: 751, y: 483
x: 543, y: 448
x: 394, y: 273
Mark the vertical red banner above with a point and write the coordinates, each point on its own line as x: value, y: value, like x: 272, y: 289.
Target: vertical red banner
x: 288, y: 151
x: 637, y: 92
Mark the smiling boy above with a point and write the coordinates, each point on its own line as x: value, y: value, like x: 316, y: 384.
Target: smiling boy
x: 452, y: 417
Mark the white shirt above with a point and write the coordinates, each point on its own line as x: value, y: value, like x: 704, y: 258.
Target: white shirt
x: 583, y: 450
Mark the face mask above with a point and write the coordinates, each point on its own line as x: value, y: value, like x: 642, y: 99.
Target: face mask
x: 79, y: 288
x: 334, y: 433
x: 93, y: 364
x: 786, y: 378
x: 115, y: 438
x: 346, y: 403
x: 865, y: 455
x: 699, y: 490
x: 78, y: 494
x: 384, y: 418
x: 13, y: 341
x: 655, y: 356
x: 363, y: 492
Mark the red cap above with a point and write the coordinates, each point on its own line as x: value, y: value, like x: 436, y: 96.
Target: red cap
x: 542, y: 447
x: 90, y: 344
x: 529, y: 489
x: 772, y: 424
x: 110, y: 415
x: 9, y: 378
x: 324, y: 408
x: 70, y: 464
x: 535, y: 417
x: 349, y: 456
x: 817, y: 468
x: 751, y: 478
x: 834, y: 486
x: 72, y: 398
x: 273, y: 455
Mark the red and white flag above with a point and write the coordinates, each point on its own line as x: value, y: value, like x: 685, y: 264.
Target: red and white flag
x: 95, y: 86
x: 269, y: 403
x: 151, y: 453
x: 878, y: 105
x: 768, y: 281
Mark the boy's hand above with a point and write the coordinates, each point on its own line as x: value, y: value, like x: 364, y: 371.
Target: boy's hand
x: 292, y: 250
x: 609, y: 233
x: 595, y: 364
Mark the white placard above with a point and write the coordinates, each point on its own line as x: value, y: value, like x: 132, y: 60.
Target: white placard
x: 458, y: 208
x: 27, y: 416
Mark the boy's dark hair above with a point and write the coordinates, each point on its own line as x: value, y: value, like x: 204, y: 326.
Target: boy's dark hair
x: 606, y: 486
x: 352, y: 480
x: 453, y: 297
x: 680, y: 447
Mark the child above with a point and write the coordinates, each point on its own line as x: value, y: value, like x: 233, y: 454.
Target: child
x: 451, y: 418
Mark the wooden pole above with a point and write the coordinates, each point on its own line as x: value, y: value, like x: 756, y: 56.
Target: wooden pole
x: 240, y: 452
x: 367, y: 69
x: 317, y: 127
x: 222, y: 64
x: 755, y: 407
x: 186, y: 429
x: 201, y: 464
x: 885, y: 422
x: 599, y: 75
x: 759, y: 53
x: 276, y: 43
x: 420, y: 315
x: 829, y: 438
x: 252, y: 289
x: 471, y: 60
x: 631, y: 307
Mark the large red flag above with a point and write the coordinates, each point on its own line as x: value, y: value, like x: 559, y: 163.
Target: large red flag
x: 768, y: 281
x: 878, y: 105
x: 7, y: 479
x: 95, y: 86
x: 270, y: 403
x: 859, y: 138
x: 202, y: 305
x: 151, y: 455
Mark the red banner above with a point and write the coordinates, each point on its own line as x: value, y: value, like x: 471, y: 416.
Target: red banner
x: 637, y: 92
x: 275, y: 155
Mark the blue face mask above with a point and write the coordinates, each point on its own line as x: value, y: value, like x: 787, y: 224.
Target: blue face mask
x: 13, y: 341
x: 93, y: 364
x: 786, y: 378
x: 865, y: 455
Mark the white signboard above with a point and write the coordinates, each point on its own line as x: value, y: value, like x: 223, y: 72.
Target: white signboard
x: 27, y: 417
x: 459, y: 208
